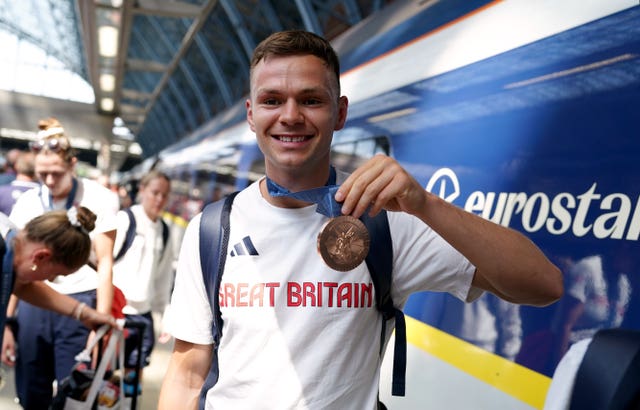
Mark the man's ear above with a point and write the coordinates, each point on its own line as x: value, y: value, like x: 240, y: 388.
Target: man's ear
x: 73, y: 161
x: 343, y: 104
x: 247, y: 105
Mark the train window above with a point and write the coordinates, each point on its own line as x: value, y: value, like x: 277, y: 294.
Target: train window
x: 256, y: 170
x: 217, y: 182
x: 349, y: 155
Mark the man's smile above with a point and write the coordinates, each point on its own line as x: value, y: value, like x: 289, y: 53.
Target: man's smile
x: 292, y: 138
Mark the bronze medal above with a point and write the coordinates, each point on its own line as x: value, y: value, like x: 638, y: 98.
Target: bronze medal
x: 343, y: 243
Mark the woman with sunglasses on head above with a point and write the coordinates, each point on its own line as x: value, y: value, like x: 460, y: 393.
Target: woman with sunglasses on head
x: 48, y: 343
x: 54, y: 244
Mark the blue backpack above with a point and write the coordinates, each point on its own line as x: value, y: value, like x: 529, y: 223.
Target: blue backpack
x: 214, y: 241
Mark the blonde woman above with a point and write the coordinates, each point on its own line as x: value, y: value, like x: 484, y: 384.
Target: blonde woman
x: 143, y: 270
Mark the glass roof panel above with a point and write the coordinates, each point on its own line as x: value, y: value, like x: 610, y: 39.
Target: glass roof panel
x: 51, y: 24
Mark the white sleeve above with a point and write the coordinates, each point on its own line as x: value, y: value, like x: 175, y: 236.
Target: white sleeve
x: 106, y: 213
x: 189, y: 316
x: 5, y: 225
x: 423, y: 260
x: 27, y: 207
x: 164, y: 279
x: 564, y: 377
x: 122, y: 223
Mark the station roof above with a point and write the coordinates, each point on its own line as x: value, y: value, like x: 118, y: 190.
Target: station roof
x: 166, y: 67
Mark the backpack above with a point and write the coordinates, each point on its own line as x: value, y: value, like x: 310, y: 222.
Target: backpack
x: 214, y: 240
x: 131, y: 234
x: 609, y: 374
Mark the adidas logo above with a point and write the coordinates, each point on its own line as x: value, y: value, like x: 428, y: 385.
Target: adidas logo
x: 244, y: 247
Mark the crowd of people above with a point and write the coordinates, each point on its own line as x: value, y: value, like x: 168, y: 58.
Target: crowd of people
x: 62, y: 273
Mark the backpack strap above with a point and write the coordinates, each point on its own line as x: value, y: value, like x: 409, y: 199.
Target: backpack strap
x: 129, y: 237
x: 380, y: 264
x: 165, y: 234
x: 609, y: 374
x: 214, y: 239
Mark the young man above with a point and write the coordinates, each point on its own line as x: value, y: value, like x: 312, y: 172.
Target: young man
x: 323, y: 354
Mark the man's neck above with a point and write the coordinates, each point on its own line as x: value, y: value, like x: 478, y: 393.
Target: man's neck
x: 300, y: 181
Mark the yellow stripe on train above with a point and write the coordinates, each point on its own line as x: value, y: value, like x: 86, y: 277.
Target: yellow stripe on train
x: 175, y: 219
x: 511, y: 378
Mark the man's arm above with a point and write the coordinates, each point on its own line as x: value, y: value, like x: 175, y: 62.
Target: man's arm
x: 186, y: 373
x: 507, y: 263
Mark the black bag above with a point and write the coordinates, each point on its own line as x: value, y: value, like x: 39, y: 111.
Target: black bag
x: 86, y: 388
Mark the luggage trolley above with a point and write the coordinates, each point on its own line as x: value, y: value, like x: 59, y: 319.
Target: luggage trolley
x: 88, y: 389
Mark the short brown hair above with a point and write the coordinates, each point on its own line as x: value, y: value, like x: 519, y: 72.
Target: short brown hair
x: 297, y: 42
x: 25, y: 165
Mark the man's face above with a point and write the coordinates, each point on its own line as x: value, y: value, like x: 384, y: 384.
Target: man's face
x: 55, y: 173
x: 294, y: 108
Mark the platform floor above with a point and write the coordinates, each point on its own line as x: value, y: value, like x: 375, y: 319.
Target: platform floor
x: 153, y: 376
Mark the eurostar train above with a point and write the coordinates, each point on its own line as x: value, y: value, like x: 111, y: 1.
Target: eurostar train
x: 524, y: 112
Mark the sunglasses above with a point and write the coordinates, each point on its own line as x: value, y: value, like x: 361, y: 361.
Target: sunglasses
x: 51, y: 144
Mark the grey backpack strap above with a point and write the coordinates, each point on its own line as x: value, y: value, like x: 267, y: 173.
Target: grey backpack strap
x: 380, y: 264
x: 609, y: 375
x: 214, y: 239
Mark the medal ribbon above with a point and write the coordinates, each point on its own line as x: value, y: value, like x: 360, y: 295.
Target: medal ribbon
x: 323, y: 197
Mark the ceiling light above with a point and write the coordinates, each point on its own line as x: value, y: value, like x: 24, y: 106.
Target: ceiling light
x: 108, y: 41
x: 117, y: 148
x: 107, y: 82
x: 106, y: 104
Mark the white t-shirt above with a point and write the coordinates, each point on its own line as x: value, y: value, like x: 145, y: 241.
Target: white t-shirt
x: 145, y: 272
x: 89, y: 194
x: 298, y: 334
x: 564, y: 377
x: 5, y: 225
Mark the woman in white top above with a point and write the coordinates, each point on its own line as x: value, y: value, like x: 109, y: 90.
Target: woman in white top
x: 144, y: 272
